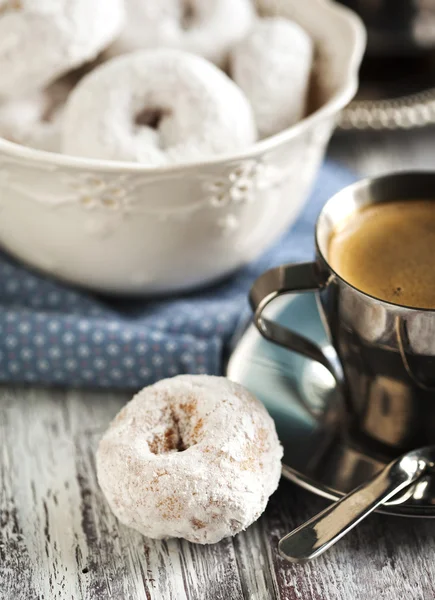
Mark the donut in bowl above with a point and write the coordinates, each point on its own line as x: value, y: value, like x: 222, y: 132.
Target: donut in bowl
x: 194, y: 457
x: 156, y: 107
x: 35, y: 120
x: 205, y: 27
x: 40, y: 40
x: 272, y: 65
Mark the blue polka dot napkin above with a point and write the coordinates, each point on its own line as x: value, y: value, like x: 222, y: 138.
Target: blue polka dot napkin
x: 54, y: 334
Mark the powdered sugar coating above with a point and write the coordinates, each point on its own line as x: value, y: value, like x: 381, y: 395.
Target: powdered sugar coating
x: 216, y: 484
x: 156, y: 107
x: 205, y: 27
x: 272, y: 65
x: 42, y: 39
x: 35, y: 120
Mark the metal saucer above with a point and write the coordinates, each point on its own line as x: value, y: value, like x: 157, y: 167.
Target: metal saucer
x: 301, y: 396
x: 394, y: 93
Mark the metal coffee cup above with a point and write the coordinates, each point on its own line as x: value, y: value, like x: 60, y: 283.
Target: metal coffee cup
x: 386, y: 351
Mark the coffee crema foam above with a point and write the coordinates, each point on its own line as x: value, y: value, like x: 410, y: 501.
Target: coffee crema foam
x: 388, y: 251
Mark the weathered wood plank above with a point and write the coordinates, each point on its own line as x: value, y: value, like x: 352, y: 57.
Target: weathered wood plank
x: 255, y: 564
x: 43, y: 495
x: 16, y: 568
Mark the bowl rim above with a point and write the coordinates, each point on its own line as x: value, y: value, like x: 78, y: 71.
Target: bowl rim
x: 337, y: 101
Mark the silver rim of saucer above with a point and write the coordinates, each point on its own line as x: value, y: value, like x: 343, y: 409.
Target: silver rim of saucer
x: 406, y: 112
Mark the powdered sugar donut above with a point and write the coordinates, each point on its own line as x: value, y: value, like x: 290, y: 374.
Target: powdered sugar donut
x: 35, y: 120
x: 272, y: 66
x: 205, y: 27
x: 195, y: 457
x: 156, y: 107
x: 40, y: 40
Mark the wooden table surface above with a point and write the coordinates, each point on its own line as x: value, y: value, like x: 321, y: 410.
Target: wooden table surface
x: 59, y: 540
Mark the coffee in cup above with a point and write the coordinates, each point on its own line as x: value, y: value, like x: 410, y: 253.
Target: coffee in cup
x: 387, y: 250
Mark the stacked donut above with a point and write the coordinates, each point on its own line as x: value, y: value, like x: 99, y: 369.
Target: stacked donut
x: 167, y: 82
x: 39, y: 43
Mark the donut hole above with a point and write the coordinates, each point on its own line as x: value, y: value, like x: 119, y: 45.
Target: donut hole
x: 10, y: 6
x: 177, y: 432
x: 151, y: 117
x: 167, y: 442
x: 188, y: 15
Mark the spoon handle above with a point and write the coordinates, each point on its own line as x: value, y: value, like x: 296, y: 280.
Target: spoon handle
x: 322, y: 531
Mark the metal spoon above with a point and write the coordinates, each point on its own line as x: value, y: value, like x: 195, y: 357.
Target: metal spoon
x: 322, y: 531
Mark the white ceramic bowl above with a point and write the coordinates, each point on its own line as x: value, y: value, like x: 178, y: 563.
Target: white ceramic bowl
x: 124, y: 228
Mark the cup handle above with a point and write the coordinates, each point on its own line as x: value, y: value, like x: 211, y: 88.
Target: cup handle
x: 292, y: 278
